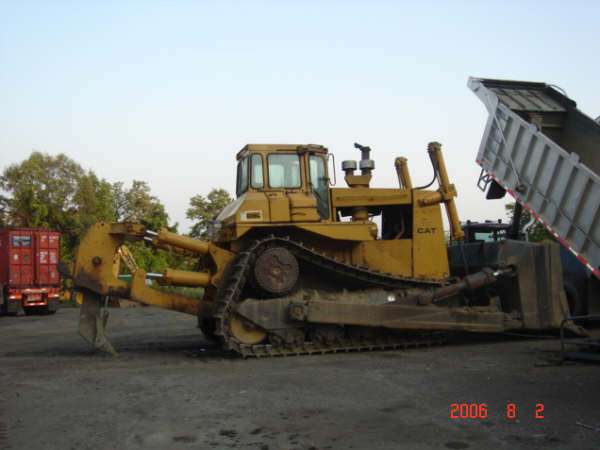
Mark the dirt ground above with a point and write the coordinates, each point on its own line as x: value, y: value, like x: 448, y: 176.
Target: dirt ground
x: 170, y: 389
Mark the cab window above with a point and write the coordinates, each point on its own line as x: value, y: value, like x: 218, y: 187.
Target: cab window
x: 257, y: 171
x: 284, y: 171
x: 242, y: 177
x: 319, y: 184
x: 490, y: 236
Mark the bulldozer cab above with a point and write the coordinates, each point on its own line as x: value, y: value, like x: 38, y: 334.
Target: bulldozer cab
x: 291, y: 180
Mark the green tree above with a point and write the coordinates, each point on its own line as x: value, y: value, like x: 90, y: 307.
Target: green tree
x: 536, y: 232
x: 57, y: 193
x: 40, y: 189
x: 93, y: 202
x: 204, y: 209
x: 137, y: 204
x: 3, y: 211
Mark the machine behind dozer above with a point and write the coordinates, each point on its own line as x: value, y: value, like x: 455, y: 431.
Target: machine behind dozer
x: 297, y: 266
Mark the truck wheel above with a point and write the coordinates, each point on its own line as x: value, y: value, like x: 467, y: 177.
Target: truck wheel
x: 6, y: 312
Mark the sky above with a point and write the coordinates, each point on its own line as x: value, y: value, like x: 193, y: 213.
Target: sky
x: 169, y: 91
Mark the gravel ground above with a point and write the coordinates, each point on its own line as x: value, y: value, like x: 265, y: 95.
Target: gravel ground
x: 170, y: 389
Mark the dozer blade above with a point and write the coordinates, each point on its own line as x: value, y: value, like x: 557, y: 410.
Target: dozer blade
x: 92, y: 322
x: 536, y: 294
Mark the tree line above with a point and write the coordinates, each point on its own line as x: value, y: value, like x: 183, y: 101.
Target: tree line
x: 58, y: 193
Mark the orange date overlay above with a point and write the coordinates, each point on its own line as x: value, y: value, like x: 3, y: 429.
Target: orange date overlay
x: 480, y: 411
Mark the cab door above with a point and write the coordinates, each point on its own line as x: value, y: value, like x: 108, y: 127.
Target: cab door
x: 284, y: 177
x: 319, y: 184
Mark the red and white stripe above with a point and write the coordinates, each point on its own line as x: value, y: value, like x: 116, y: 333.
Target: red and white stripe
x: 565, y: 243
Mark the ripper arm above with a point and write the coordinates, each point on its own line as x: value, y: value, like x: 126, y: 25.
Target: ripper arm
x: 96, y: 266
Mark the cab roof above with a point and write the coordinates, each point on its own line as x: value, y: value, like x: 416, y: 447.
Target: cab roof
x: 287, y: 148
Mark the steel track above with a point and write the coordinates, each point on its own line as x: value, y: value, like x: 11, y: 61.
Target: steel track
x: 237, y: 275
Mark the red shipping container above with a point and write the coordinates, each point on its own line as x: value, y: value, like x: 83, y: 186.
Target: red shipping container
x: 28, y: 267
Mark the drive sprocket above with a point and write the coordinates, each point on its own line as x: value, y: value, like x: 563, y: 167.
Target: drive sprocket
x: 276, y: 271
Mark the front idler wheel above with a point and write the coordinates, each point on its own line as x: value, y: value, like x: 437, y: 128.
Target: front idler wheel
x: 246, y: 332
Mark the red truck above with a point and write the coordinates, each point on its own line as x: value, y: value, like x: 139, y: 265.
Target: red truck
x: 29, y: 278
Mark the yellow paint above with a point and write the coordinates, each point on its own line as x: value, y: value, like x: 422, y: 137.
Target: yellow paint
x: 447, y: 191
x: 165, y: 237
x: 390, y: 256
x: 146, y: 295
x: 93, y: 267
x: 429, y: 245
x: 358, y: 181
x: 350, y: 197
x: 176, y: 277
x: 253, y: 201
x: 279, y: 206
x: 404, y: 179
x: 303, y: 207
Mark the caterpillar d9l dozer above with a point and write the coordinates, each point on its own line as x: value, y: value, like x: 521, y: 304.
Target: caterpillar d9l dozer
x: 294, y: 266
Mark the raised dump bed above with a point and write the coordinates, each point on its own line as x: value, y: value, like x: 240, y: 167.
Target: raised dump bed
x: 546, y: 153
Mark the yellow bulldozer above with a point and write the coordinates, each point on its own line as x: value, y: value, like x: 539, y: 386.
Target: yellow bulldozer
x: 295, y: 265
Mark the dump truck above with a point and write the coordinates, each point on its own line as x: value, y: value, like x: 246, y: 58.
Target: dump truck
x: 538, y: 147
x: 29, y: 278
x: 295, y: 265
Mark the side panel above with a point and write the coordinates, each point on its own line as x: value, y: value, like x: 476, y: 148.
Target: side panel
x: 303, y: 207
x: 349, y: 197
x: 429, y: 245
x: 253, y: 208
x: 339, y: 231
x: 20, y: 254
x: 279, y: 206
x: 390, y: 256
x: 46, y: 258
x: 4, y: 259
x: 346, y: 231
